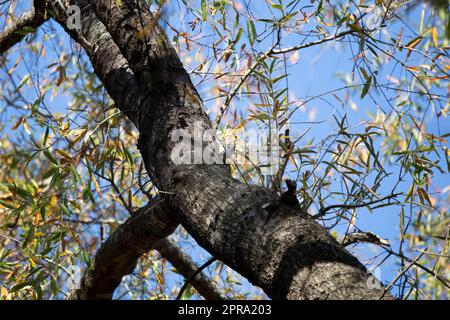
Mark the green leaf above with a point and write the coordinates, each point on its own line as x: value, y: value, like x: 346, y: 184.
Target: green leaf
x: 25, y: 30
x: 50, y: 173
x: 238, y: 36
x: 50, y: 157
x: 366, y: 87
x: 65, y: 209
x: 251, y: 31
x: 204, y: 7
x: 447, y: 158
x: 24, y: 194
x: 188, y: 292
x: 7, y: 204
x: 278, y: 7
x: 23, y: 81
x: 364, y: 72
x: 19, y: 286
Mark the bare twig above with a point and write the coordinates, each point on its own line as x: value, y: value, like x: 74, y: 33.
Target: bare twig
x: 441, y: 278
x: 401, y: 273
x: 189, y: 280
x: 236, y: 88
x: 313, y: 43
x: 185, y: 266
x: 323, y: 211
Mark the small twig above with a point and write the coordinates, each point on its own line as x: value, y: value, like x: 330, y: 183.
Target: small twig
x: 141, y: 184
x: 442, y: 279
x: 188, y: 280
x: 400, y: 274
x: 313, y: 43
x: 185, y: 266
x: 323, y: 211
x: 236, y: 88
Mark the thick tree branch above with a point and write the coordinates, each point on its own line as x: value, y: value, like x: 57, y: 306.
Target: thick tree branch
x: 16, y: 32
x: 185, y: 266
x: 119, y: 254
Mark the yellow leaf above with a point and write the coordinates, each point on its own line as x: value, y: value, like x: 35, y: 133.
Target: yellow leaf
x: 63, y: 153
x: 37, y: 217
x: 32, y: 263
x: 26, y: 126
x: 425, y: 195
x: 97, y: 186
x: 438, y: 78
x: 294, y: 57
x: 66, y: 253
x: 4, y: 292
x: 62, y: 76
x: 17, y: 123
x: 412, y: 68
x: 12, y: 273
x: 54, y: 201
x: 79, y: 136
x: 412, y: 44
x: 15, y: 65
x: 434, y: 34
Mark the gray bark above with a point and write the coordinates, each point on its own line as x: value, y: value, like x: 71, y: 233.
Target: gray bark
x: 289, y: 256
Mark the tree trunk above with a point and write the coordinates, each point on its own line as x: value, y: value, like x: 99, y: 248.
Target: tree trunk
x: 275, y: 245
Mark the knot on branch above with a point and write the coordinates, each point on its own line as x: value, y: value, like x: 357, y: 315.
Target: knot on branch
x: 289, y: 196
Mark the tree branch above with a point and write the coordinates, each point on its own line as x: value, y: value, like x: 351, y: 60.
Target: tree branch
x: 15, y: 32
x: 368, y: 237
x: 323, y: 211
x: 289, y: 255
x: 119, y: 79
x: 313, y: 43
x: 194, y: 275
x: 119, y: 254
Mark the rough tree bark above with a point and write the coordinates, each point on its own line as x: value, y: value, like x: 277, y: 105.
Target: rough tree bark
x: 148, y: 227
x: 273, y: 244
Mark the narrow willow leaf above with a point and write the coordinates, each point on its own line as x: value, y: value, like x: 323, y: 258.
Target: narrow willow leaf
x: 366, y: 87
